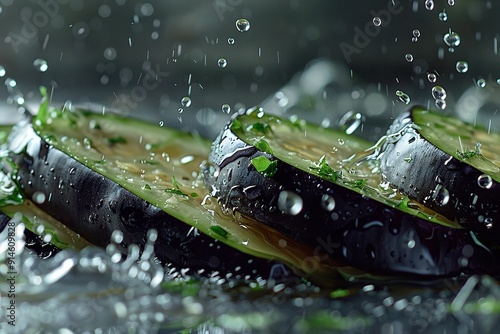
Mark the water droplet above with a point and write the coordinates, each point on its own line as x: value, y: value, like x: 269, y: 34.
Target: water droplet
x: 186, y: 101
x: 38, y: 197
x: 429, y: 4
x: 327, y: 202
x: 409, y: 57
x: 377, y: 21
x: 488, y: 222
x: 180, y: 110
x: 432, y: 77
x: 226, y: 108
x: 440, y: 104
x: 403, y: 97
x: 222, y: 62
x: 242, y: 25
x: 481, y: 83
x: 40, y: 65
x: 2, y: 71
x: 110, y: 53
x: 416, y: 33
x: 230, y: 41
x: 484, y: 181
x: 452, y: 39
x: 290, y: 203
x: 441, y: 195
x: 72, y: 171
x: 451, y: 2
x: 411, y: 243
x: 351, y: 121
x: 414, y: 39
x: 443, y: 16
x: 462, y: 66
x: 438, y: 92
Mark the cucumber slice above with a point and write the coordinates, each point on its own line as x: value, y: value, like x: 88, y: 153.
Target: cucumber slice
x: 102, y: 173
x: 298, y: 178
x: 448, y: 165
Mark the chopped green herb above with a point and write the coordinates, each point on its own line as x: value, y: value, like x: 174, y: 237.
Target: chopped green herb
x: 220, y: 231
x: 359, y: 183
x: 147, y: 186
x: 116, y: 140
x: 339, y: 293
x: 175, y: 182
x: 467, y: 154
x: 325, y: 171
x: 175, y: 191
x: 194, y: 195
x: 236, y: 125
x: 265, y: 166
x: 407, y: 159
x: 259, y: 127
x: 263, y: 146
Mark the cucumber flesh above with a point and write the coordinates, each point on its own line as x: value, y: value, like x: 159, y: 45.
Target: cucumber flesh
x: 104, y: 172
x: 319, y: 201
x: 449, y: 166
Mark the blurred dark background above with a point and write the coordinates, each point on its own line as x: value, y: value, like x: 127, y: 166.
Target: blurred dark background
x: 144, y: 57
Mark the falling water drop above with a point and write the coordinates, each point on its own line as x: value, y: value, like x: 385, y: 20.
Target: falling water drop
x: 351, y: 121
x: 40, y: 65
x: 438, y: 92
x: 451, y: 2
x: 377, y: 21
x: 429, y: 4
x: 462, y: 66
x: 2, y: 71
x: 226, y: 108
x: 452, y: 39
x: 443, y: 16
x: 222, y: 62
x: 432, y: 77
x: 230, y: 41
x: 409, y: 57
x: 403, y: 97
x: 327, y: 202
x: 242, y: 25
x: 481, y: 83
x: 186, y: 101
x: 440, y: 103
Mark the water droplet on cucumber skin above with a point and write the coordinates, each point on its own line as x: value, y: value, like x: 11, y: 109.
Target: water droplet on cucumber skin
x: 290, y: 203
x: 327, y: 202
x: 441, y: 195
x: 484, y: 181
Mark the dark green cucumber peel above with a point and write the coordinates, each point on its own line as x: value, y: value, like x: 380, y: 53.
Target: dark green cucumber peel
x: 358, y: 231
x: 95, y: 206
x: 458, y: 178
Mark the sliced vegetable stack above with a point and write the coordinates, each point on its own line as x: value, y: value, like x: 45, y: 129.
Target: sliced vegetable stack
x: 100, y: 173
x: 305, y: 182
x: 449, y: 166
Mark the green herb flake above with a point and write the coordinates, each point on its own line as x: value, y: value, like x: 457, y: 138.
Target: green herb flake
x: 340, y: 293
x: 236, y: 125
x: 175, y: 191
x: 194, y: 195
x: 467, y: 154
x: 175, y: 183
x: 259, y: 127
x: 147, y: 186
x: 116, y: 140
x: 263, y: 146
x: 359, y: 183
x: 325, y: 171
x: 265, y: 166
x: 220, y: 231
x: 407, y: 159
